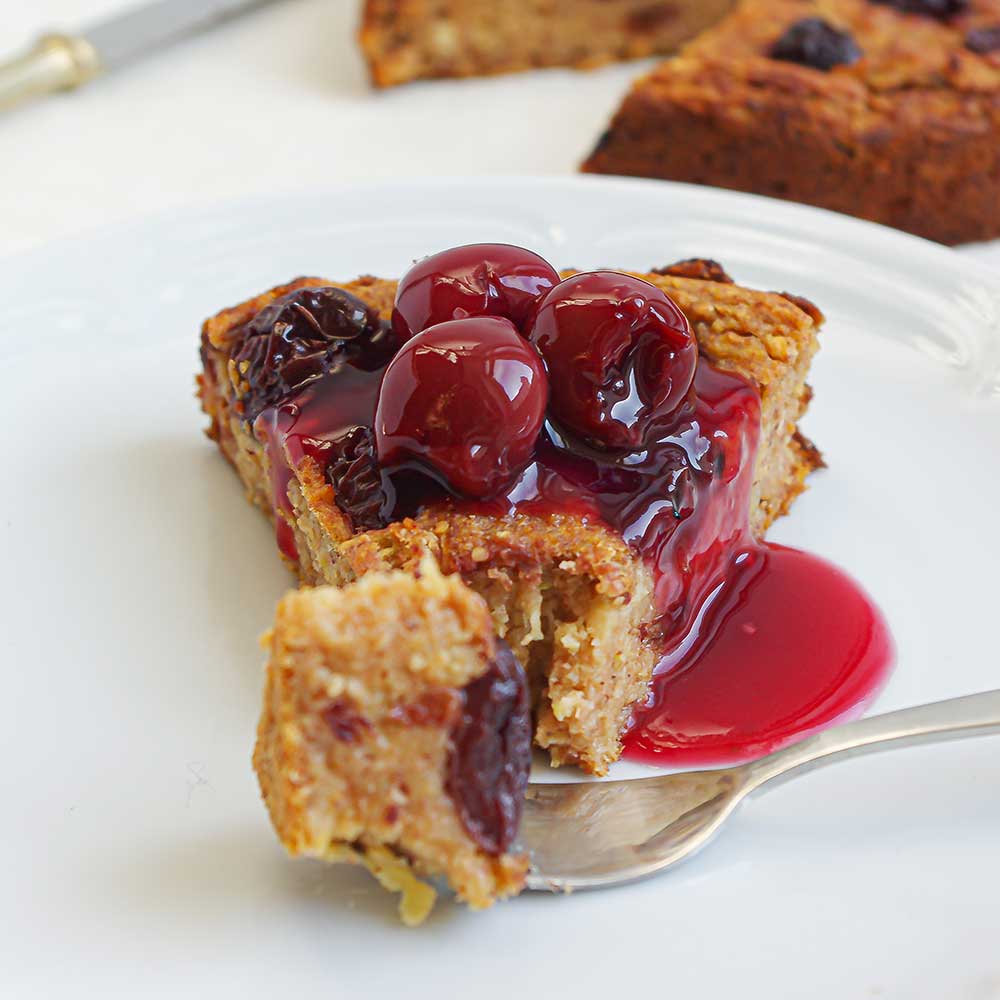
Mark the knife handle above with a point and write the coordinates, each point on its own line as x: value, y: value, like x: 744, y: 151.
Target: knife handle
x: 55, y: 62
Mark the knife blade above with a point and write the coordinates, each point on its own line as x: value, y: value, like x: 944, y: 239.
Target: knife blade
x: 136, y: 32
x: 66, y: 61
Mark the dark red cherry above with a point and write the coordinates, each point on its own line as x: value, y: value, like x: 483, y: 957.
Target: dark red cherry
x: 307, y: 333
x: 466, y: 400
x: 619, y: 352
x: 482, y: 279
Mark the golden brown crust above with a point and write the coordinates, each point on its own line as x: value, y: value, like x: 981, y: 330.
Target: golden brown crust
x: 351, y: 763
x: 568, y: 594
x: 406, y: 40
x: 908, y: 136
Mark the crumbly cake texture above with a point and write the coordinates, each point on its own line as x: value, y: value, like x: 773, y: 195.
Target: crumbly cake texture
x: 406, y: 40
x: 356, y: 730
x: 569, y: 595
x: 908, y: 136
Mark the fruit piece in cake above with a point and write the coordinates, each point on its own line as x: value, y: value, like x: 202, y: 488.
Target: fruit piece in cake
x: 889, y: 111
x: 598, y: 548
x: 396, y: 733
x: 408, y: 39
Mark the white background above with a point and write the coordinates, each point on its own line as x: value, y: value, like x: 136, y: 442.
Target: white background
x: 278, y: 101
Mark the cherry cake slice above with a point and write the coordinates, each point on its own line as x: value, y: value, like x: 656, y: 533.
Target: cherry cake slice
x: 586, y: 451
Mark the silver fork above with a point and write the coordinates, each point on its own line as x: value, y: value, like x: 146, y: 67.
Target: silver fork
x: 591, y: 835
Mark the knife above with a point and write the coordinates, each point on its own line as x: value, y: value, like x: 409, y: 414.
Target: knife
x: 66, y: 61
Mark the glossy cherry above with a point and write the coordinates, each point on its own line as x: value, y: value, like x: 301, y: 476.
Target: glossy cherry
x: 465, y: 400
x: 620, y: 355
x: 482, y: 279
x: 305, y: 334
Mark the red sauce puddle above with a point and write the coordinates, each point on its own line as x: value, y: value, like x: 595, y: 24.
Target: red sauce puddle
x: 764, y: 644
x: 787, y: 644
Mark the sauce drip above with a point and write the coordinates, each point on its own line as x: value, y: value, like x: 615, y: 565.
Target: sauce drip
x: 763, y: 644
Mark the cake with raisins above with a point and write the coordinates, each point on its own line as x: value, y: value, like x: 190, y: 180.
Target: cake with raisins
x: 396, y: 733
x: 405, y: 40
x: 884, y: 109
x: 592, y: 500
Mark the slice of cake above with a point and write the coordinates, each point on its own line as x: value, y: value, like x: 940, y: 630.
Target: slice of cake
x: 885, y: 110
x: 396, y: 733
x: 406, y: 40
x: 586, y: 451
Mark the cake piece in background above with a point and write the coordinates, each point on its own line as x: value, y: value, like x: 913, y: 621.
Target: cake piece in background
x: 407, y: 40
x: 886, y: 111
x: 396, y: 733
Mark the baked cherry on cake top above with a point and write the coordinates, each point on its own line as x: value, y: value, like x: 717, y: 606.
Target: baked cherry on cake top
x: 406, y: 40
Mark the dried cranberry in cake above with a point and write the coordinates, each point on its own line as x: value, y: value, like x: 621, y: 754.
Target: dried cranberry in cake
x: 816, y: 43
x: 302, y: 335
x: 361, y: 489
x: 620, y: 356
x: 933, y: 8
x: 491, y: 753
x: 465, y: 400
x: 482, y: 279
x: 982, y: 41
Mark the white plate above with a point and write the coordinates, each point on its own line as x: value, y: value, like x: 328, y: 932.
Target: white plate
x: 136, y: 579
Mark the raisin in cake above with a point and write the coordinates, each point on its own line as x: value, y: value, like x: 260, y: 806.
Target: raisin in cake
x: 593, y: 554
x: 396, y: 733
x: 406, y: 40
x: 885, y: 110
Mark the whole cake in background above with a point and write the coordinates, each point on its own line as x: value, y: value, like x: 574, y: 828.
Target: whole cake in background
x: 887, y: 111
x: 884, y: 109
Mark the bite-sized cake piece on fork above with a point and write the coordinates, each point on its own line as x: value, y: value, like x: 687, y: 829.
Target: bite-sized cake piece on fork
x: 396, y: 733
x: 589, y: 554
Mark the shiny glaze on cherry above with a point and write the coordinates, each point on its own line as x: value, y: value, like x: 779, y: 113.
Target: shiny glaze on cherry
x: 483, y: 279
x: 619, y: 352
x: 465, y: 400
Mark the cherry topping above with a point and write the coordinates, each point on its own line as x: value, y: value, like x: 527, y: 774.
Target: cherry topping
x: 816, y: 43
x: 984, y: 40
x: 933, y: 8
x: 620, y: 355
x: 302, y: 335
x: 466, y: 400
x: 482, y: 279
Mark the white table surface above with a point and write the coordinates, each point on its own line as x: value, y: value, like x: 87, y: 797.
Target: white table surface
x: 275, y: 102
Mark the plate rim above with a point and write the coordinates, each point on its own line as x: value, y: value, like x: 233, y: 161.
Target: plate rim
x: 202, y: 211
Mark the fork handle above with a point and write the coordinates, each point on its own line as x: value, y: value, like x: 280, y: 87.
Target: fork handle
x: 957, y: 718
x: 55, y: 62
